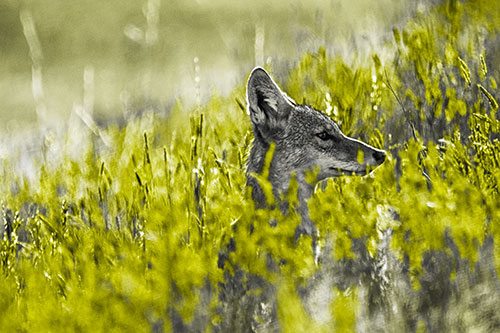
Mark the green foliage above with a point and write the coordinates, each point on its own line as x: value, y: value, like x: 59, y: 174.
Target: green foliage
x: 129, y: 235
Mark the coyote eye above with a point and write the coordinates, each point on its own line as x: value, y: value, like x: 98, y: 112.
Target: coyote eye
x: 323, y: 136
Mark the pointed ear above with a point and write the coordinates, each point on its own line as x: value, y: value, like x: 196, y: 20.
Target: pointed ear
x: 268, y: 106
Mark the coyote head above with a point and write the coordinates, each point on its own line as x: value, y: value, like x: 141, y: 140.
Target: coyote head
x: 306, y: 140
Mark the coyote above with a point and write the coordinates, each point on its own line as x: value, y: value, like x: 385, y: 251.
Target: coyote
x: 306, y: 141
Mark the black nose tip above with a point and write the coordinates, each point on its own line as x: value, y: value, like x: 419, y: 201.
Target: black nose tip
x: 379, y: 156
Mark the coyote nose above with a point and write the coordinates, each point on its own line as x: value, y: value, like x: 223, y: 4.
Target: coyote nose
x: 379, y: 156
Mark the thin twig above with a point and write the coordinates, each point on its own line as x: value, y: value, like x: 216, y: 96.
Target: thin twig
x: 406, y: 113
x: 407, y: 116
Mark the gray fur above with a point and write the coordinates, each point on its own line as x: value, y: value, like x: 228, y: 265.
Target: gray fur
x: 297, y: 132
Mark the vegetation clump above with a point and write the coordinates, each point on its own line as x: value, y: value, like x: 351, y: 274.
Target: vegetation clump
x: 150, y: 226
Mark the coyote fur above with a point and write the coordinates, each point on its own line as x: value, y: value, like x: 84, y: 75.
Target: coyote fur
x: 306, y: 141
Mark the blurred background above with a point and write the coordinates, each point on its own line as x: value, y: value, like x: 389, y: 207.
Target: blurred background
x: 114, y: 56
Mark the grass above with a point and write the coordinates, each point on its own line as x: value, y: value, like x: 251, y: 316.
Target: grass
x: 127, y: 226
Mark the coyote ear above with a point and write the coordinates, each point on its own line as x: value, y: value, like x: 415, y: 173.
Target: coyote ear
x: 268, y: 106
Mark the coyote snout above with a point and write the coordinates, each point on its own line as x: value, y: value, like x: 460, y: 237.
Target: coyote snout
x: 306, y: 141
x: 336, y: 154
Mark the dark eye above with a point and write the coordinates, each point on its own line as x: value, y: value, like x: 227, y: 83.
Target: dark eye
x: 324, y: 136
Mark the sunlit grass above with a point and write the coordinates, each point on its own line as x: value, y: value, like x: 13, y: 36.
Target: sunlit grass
x: 147, y: 225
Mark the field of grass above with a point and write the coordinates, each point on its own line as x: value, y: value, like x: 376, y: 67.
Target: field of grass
x: 143, y: 223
